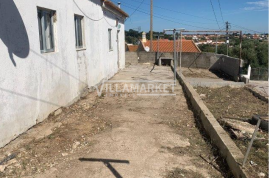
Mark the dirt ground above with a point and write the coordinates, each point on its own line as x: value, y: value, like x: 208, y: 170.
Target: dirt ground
x: 120, y: 136
x: 198, y: 73
x: 236, y: 106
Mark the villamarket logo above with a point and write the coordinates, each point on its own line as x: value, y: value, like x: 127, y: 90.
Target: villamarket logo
x: 127, y: 88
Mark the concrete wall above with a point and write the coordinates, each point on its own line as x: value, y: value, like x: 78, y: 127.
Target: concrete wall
x: 210, y: 61
x: 193, y: 60
x: 228, y: 65
x: 34, y: 84
x: 146, y: 57
x: 131, y: 58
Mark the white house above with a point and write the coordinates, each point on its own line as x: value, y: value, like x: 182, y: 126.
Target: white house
x: 51, y: 51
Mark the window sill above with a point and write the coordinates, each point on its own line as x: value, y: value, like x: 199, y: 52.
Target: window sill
x: 49, y: 52
x: 80, y: 49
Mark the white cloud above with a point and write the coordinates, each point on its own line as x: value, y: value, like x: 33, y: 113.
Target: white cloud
x: 257, y: 6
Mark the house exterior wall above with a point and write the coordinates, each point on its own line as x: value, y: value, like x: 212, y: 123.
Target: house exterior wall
x: 34, y: 84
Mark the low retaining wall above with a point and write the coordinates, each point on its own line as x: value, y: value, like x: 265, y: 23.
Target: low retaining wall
x: 217, y: 134
x: 211, y: 61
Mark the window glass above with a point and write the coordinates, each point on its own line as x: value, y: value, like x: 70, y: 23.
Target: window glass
x: 40, y: 30
x: 110, y: 38
x: 78, y: 31
x: 45, y: 23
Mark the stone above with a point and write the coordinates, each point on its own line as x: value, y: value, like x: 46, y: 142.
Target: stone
x: 261, y: 174
x: 58, y: 111
x: 203, y: 95
x: 253, y: 163
x: 244, y: 127
x: 2, y: 168
x: 64, y: 154
x: 75, y: 145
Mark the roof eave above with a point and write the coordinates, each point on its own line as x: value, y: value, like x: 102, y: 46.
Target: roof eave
x: 116, y: 8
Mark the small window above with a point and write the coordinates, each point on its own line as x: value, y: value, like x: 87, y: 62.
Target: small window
x: 46, y: 36
x: 78, y: 31
x: 110, y: 39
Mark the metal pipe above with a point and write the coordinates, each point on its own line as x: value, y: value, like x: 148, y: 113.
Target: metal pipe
x: 251, y: 141
x: 240, y: 55
x: 158, y: 49
x: 181, y: 41
x: 177, y: 48
x: 241, y: 40
x: 214, y: 31
x: 174, y: 55
x: 216, y: 43
x: 151, y: 26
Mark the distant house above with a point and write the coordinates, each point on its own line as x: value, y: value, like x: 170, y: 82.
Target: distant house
x: 255, y: 37
x: 165, y: 45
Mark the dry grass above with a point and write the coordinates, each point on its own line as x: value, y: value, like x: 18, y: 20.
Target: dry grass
x: 239, y: 103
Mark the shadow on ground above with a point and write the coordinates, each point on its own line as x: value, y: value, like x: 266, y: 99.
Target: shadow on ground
x: 107, y: 162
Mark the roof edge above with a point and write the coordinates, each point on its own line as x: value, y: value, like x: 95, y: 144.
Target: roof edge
x: 115, y: 7
x: 196, y: 46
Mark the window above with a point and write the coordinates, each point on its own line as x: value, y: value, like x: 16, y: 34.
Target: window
x: 78, y: 31
x: 110, y: 39
x: 46, y: 36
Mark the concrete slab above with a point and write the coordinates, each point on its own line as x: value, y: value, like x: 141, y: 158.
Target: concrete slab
x: 213, y: 82
x: 261, y: 87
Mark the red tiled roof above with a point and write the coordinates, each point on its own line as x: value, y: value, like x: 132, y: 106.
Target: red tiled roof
x: 132, y: 48
x: 167, y: 46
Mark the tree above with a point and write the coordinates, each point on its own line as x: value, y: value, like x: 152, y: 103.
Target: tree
x: 263, y: 53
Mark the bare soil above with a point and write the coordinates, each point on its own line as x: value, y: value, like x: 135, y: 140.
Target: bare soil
x: 132, y: 136
x: 198, y: 73
x: 70, y: 132
x: 239, y: 104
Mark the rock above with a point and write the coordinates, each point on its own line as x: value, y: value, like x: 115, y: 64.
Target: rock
x: 243, y: 127
x: 261, y: 174
x: 75, y: 145
x: 13, y: 161
x: 253, y: 163
x: 203, y: 95
x: 64, y: 154
x: 2, y: 168
x: 58, y: 111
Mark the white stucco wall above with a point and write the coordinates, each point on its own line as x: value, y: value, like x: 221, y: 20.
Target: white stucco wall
x: 34, y: 84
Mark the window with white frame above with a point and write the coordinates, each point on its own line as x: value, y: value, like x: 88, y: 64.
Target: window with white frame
x: 78, y: 20
x: 46, y: 34
x: 110, y: 39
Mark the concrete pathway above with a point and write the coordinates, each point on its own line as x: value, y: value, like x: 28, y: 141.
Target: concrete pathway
x: 151, y: 136
x: 144, y: 142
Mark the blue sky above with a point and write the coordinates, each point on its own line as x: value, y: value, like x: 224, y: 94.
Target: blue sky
x: 198, y: 14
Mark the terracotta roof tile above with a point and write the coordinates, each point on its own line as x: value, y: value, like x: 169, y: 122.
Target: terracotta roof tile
x: 167, y: 46
x: 132, y: 48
